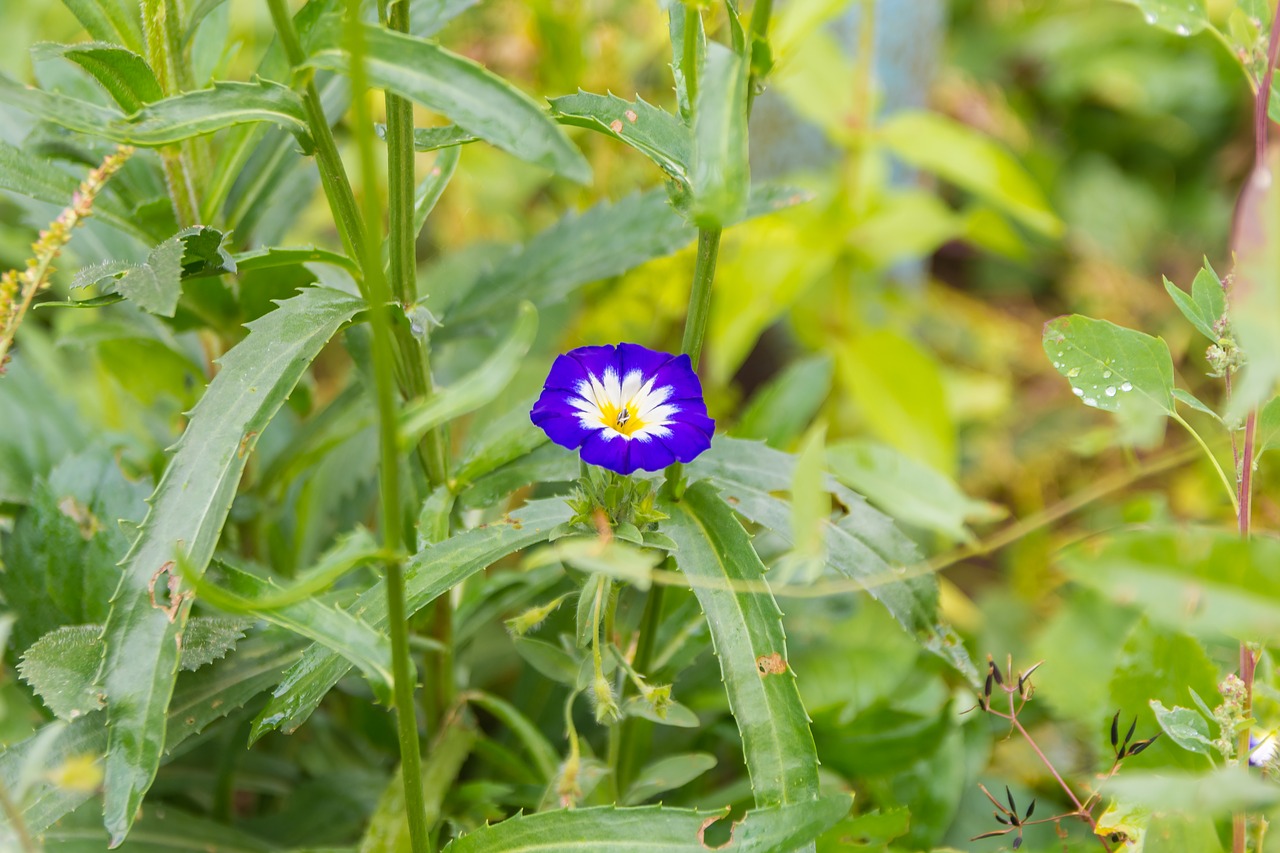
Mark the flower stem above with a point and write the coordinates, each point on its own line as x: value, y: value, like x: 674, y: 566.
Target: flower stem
x: 389, y: 472
x: 704, y: 272
x: 161, y: 25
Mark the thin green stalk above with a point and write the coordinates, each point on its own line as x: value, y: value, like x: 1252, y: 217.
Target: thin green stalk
x: 160, y: 22
x: 333, y: 175
x: 689, y: 53
x: 633, y: 735
x: 1222, y: 475
x: 389, y: 470
x: 704, y: 272
x: 26, y: 843
x: 415, y: 350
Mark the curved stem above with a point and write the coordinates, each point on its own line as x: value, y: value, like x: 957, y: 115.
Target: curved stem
x: 1222, y: 475
x: 389, y: 467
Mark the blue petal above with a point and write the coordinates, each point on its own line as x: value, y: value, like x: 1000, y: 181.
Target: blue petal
x: 686, y: 390
x: 572, y: 367
x: 689, y: 437
x: 626, y: 456
x: 631, y: 357
x: 564, y: 430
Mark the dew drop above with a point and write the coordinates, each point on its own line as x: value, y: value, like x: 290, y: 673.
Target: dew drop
x: 1079, y: 392
x: 1126, y: 386
x: 1182, y: 30
x: 1073, y: 372
x: 1106, y: 374
x: 1111, y: 390
x: 1089, y: 401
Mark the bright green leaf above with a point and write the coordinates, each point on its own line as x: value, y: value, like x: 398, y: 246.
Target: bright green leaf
x: 110, y: 21
x: 1184, y: 726
x: 1181, y: 17
x: 719, y: 176
x: 1216, y: 793
x: 124, y: 74
x: 667, y: 774
x: 156, y: 285
x: 61, y: 667
x: 781, y: 410
x: 1206, y: 306
x: 1110, y: 367
x: 204, y: 111
x: 652, y: 131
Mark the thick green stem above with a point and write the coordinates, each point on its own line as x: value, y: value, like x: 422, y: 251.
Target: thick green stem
x: 388, y: 418
x: 704, y: 272
x: 161, y: 24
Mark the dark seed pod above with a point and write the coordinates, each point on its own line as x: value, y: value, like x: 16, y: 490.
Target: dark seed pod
x: 1030, y: 810
x: 1115, y: 730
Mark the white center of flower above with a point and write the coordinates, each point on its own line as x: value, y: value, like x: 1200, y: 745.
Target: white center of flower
x: 629, y: 407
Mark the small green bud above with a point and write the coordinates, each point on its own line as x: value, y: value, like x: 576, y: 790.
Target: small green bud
x: 533, y: 617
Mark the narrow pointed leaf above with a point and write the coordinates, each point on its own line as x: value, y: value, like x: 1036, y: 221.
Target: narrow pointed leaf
x: 746, y: 629
x: 188, y: 510
x: 719, y: 175
x: 650, y: 829
x: 1206, y: 305
x: 110, y: 21
x: 431, y: 187
x: 204, y: 111
x: 466, y: 93
x: 124, y: 74
x: 653, y: 132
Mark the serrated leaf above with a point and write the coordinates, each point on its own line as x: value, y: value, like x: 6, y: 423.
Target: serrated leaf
x: 746, y: 629
x: 188, y: 510
x: 156, y: 285
x: 1181, y: 17
x: 101, y: 271
x: 652, y: 131
x: 961, y: 155
x: 667, y: 774
x: 434, y: 138
x: 204, y: 111
x: 1110, y: 367
x: 475, y: 389
x: 199, y: 698
x: 110, y: 21
x: 466, y: 93
x: 159, y: 831
x: 1184, y: 726
x: 641, y: 829
x: 679, y: 17
x: 1205, y: 307
x: 719, y: 175
x: 124, y: 74
x: 205, y: 252
x: 429, y: 574
x: 60, y: 667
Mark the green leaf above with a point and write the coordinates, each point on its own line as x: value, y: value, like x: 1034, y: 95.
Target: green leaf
x: 434, y: 138
x: 719, y: 175
x: 156, y: 285
x: 746, y: 629
x: 1110, y: 367
x: 204, y: 111
x: 476, y: 388
x: 429, y: 574
x: 908, y: 490
x: 199, y: 699
x: 1207, y: 304
x: 652, y: 131
x: 432, y: 186
x: 864, y: 545
x: 1186, y: 398
x: 535, y: 743
x: 159, y: 831
x: 667, y: 774
x: 1182, y: 17
x: 466, y: 93
x: 210, y: 638
x: 188, y: 510
x: 1267, y: 435
x: 427, y: 19
x: 124, y: 74
x: 272, y: 257
x: 1184, y: 726
x: 1197, y: 579
x: 549, y: 660
x: 1217, y: 793
x: 610, y: 829
x: 205, y: 252
x: 681, y: 64
x: 60, y: 668
x: 1255, y: 294
x: 810, y: 510
x: 781, y: 410
x: 110, y: 21
x: 964, y: 157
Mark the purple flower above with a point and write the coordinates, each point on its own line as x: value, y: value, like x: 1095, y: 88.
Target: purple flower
x: 628, y: 408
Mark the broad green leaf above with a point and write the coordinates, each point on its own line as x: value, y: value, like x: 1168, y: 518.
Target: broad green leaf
x: 549, y: 660
x: 201, y: 11
x: 27, y: 175
x: 964, y: 157
x: 271, y: 257
x: 1203, y: 580
x: 641, y: 829
x: 1182, y: 17
x: 719, y: 176
x: 1206, y: 306
x: 873, y: 830
x: 429, y: 574
x: 427, y: 19
x: 467, y: 94
x: 160, y: 830
x: 908, y: 490
x: 498, y: 441
x: 652, y: 131
x: 667, y: 774
x: 746, y: 629
x: 204, y: 111
x: 205, y: 252
x: 110, y: 21
x: 188, y: 509
x: 1128, y: 819
x: 62, y: 665
x: 124, y: 74
x: 1185, y: 726
x: 864, y: 545
x: 199, y: 699
x: 1255, y: 294
x: 61, y: 556
x: 1110, y: 367
x: 1267, y: 436
x: 782, y: 409
x: 478, y: 387
x: 1216, y: 793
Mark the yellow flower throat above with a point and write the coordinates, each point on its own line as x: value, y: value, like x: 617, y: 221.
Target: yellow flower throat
x: 623, y: 420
